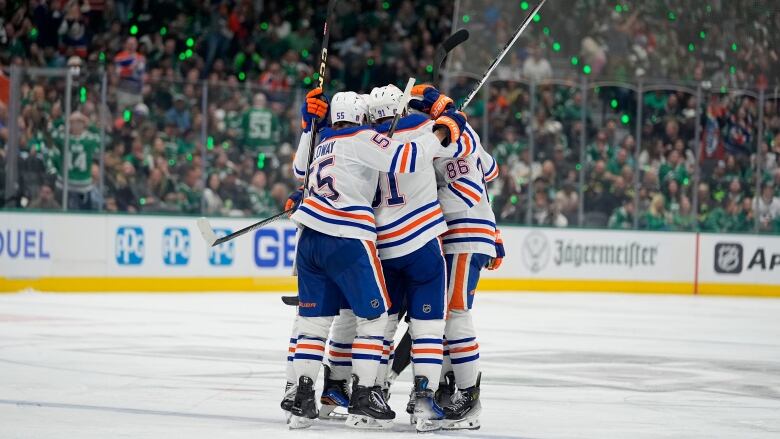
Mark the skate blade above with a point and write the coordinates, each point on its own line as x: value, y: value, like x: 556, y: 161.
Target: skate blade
x: 368, y: 423
x: 333, y: 413
x: 299, y: 422
x: 462, y: 424
x: 427, y: 425
x: 412, y: 419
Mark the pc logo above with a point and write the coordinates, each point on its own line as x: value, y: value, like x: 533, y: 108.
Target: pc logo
x: 129, y: 248
x: 176, y: 246
x: 223, y: 254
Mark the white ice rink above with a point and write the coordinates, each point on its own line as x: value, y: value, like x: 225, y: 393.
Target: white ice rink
x: 555, y: 366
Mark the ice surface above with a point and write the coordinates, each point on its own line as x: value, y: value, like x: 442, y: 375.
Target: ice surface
x: 555, y: 366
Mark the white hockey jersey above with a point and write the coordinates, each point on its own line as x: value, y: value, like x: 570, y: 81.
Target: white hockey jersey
x: 463, y: 197
x: 406, y: 206
x: 344, y: 174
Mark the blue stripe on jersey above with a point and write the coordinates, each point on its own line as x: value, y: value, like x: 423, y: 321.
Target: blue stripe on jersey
x: 366, y: 357
x: 330, y: 132
x: 404, y: 123
x: 472, y: 239
x: 345, y: 209
x: 335, y: 221
x: 426, y: 361
x: 466, y: 181
x: 471, y: 220
x: 473, y: 139
x: 290, y: 358
x: 393, y: 163
x: 460, y: 148
x: 406, y: 217
x: 490, y: 171
x: 456, y: 192
x: 341, y: 345
x: 464, y: 359
x: 427, y: 340
x: 414, y: 156
x: 293, y: 340
x: 409, y: 237
x: 298, y: 171
x: 462, y: 340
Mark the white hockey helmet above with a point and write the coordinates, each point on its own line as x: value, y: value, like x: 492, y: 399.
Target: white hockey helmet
x: 348, y: 106
x: 384, y: 101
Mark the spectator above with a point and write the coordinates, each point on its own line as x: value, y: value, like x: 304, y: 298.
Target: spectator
x: 45, y: 199
x: 130, y: 68
x: 212, y: 200
x: 767, y: 207
x: 623, y: 217
x: 536, y: 68
x: 656, y: 219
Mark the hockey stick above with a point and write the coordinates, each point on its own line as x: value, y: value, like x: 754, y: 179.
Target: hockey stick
x: 445, y: 48
x: 203, y: 224
x: 293, y: 300
x: 501, y: 55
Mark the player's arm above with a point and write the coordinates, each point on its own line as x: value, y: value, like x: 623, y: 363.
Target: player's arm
x: 384, y: 154
x: 314, y: 108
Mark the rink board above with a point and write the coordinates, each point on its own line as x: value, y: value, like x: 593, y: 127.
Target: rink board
x: 92, y: 252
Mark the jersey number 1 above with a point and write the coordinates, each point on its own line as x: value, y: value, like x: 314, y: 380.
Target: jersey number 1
x: 395, y: 197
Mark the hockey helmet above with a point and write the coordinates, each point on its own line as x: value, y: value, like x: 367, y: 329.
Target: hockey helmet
x: 384, y: 101
x: 348, y: 106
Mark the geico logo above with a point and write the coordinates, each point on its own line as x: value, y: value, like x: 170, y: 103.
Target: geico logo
x: 176, y: 246
x: 129, y: 245
x: 23, y: 244
x: 762, y: 260
x: 274, y: 248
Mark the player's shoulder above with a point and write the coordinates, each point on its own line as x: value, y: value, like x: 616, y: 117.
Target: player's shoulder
x: 406, y: 123
x: 346, y: 133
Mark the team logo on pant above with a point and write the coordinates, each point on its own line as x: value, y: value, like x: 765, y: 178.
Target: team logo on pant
x: 426, y: 308
x: 374, y: 303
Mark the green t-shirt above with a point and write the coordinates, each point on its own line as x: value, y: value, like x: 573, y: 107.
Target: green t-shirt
x: 261, y: 202
x: 82, y: 150
x: 260, y: 128
x: 620, y: 219
x: 191, y: 201
x: 653, y: 222
x: 505, y: 150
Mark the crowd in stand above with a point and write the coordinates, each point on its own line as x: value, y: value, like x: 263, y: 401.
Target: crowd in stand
x: 256, y: 57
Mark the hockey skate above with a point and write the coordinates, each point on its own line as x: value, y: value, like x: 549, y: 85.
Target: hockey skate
x: 463, y: 413
x: 427, y: 413
x: 289, y: 397
x: 446, y: 390
x: 410, y: 408
x: 304, y: 407
x: 368, y: 409
x: 335, y: 398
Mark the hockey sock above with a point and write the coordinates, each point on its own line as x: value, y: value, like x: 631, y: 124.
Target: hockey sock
x: 427, y: 349
x: 342, y: 334
x: 310, y: 346
x: 367, y: 348
x: 290, y: 369
x: 392, y: 325
x: 463, y: 348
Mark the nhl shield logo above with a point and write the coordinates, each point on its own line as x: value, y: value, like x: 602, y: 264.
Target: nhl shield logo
x: 728, y: 258
x: 426, y: 308
x: 374, y: 303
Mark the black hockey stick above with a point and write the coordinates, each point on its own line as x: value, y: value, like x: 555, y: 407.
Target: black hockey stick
x: 445, y: 48
x: 203, y: 224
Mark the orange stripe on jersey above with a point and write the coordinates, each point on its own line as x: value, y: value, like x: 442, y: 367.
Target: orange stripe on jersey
x: 311, y: 346
x: 467, y: 140
x: 339, y: 354
x: 411, y: 225
x: 291, y: 350
x: 370, y: 347
x: 405, y: 156
x: 466, y: 349
x: 460, y: 273
x: 428, y: 351
x: 322, y: 208
x: 466, y: 191
x: 381, y: 275
x: 479, y: 230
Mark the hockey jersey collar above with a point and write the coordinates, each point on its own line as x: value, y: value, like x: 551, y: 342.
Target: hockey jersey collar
x: 409, y: 122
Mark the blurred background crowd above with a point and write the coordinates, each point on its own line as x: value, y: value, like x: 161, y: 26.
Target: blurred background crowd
x: 202, y: 103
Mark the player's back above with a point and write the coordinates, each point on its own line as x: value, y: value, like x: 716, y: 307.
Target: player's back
x: 464, y: 200
x: 406, y: 206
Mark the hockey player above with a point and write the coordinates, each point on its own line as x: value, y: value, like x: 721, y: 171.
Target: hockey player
x: 471, y: 243
x: 337, y: 258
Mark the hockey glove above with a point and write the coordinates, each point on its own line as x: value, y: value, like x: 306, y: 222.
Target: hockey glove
x: 494, y: 263
x: 294, y: 200
x: 433, y: 102
x: 454, y: 122
x: 315, y: 107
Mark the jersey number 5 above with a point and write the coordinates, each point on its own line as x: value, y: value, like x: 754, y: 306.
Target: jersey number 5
x: 326, y: 180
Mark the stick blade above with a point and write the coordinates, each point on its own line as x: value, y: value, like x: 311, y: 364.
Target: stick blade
x: 455, y: 39
x: 206, y: 231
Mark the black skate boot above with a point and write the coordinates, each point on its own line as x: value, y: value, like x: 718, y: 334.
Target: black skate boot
x: 304, y: 407
x: 463, y: 412
x: 446, y: 390
x: 410, y: 408
x: 289, y: 396
x: 427, y: 412
x: 334, y: 399
x: 367, y: 408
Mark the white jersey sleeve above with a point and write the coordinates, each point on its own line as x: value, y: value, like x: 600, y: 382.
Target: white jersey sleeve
x: 384, y: 154
x: 302, y: 156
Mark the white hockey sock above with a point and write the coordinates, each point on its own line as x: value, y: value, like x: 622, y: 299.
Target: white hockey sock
x: 339, y: 355
x: 310, y: 346
x: 446, y: 365
x: 381, y: 374
x: 367, y: 349
x: 427, y: 349
x: 290, y: 369
x: 463, y: 348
